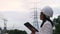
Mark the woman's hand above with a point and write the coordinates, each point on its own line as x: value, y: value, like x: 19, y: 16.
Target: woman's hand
x: 32, y: 32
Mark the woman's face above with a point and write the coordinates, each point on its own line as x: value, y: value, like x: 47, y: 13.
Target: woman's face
x: 41, y: 16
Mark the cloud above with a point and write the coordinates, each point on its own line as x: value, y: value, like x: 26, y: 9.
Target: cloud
x: 23, y: 5
x: 6, y: 5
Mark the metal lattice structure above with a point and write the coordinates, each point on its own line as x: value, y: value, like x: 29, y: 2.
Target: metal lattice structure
x: 35, y: 22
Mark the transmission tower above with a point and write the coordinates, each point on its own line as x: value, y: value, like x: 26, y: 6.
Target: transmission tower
x: 35, y: 22
x: 5, y: 26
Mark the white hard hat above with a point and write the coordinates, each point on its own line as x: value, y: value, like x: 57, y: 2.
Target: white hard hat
x: 47, y: 11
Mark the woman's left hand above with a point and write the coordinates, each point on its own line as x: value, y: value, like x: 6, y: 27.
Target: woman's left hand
x: 32, y: 32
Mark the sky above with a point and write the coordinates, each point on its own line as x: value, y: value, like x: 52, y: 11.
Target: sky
x: 18, y: 12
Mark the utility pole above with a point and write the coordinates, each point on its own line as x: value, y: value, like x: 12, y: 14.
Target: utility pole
x: 5, y: 26
x: 4, y: 31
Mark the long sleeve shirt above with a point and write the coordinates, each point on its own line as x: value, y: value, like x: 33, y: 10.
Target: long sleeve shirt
x: 46, y: 28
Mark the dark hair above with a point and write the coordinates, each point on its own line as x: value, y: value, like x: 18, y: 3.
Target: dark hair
x: 45, y: 19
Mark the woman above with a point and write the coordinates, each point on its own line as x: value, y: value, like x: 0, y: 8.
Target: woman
x: 47, y: 25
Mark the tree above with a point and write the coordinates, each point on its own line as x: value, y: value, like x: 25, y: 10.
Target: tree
x: 16, y: 32
x: 57, y: 25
